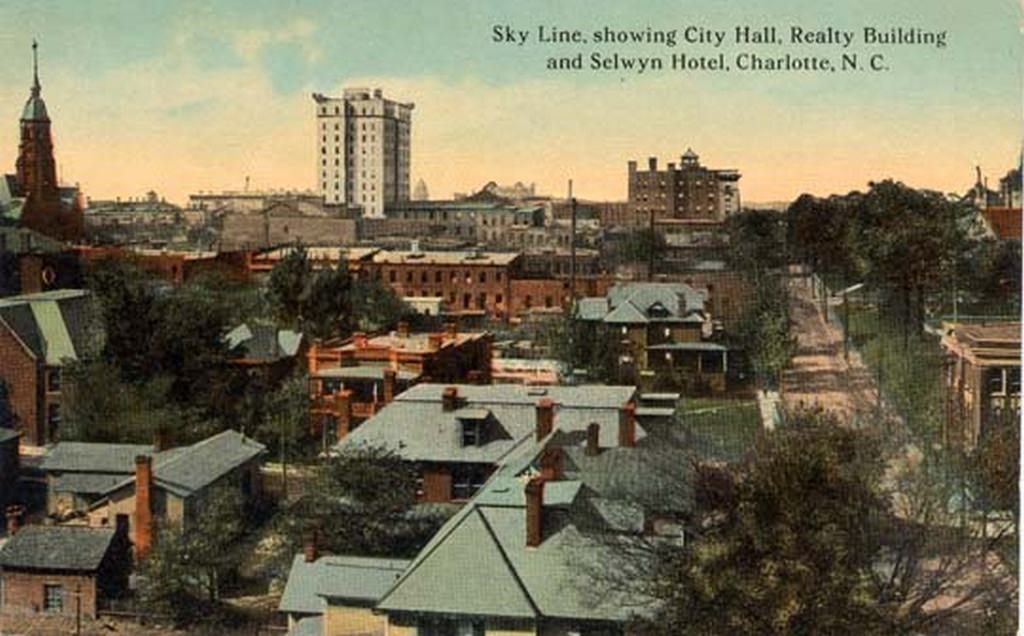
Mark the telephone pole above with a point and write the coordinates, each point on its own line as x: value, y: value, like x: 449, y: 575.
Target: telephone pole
x: 572, y: 245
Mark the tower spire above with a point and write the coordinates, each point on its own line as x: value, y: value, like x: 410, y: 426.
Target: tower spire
x: 36, y: 88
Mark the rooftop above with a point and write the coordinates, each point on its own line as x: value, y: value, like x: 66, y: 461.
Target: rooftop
x: 641, y: 303
x: 264, y: 343
x: 55, y: 325
x: 358, y: 580
x: 445, y: 258
x: 75, y: 548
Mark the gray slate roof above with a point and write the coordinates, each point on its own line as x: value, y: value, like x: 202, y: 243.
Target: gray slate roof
x: 357, y: 580
x: 185, y: 471
x: 55, y: 325
x: 265, y: 343
x: 93, y: 457
x: 8, y: 434
x: 640, y: 303
x: 416, y: 427
x: 76, y: 548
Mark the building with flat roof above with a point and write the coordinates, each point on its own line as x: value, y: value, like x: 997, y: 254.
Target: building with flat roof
x: 688, y: 190
x: 362, y: 142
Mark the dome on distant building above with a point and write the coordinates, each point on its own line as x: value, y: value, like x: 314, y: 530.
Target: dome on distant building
x: 35, y: 107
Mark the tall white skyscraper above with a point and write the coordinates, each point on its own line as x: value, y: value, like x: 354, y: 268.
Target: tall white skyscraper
x: 362, y: 145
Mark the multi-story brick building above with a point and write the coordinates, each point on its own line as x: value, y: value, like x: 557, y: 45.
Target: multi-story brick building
x: 362, y: 142
x: 352, y: 380
x: 686, y: 191
x: 982, y: 379
x: 39, y: 334
x: 470, y: 282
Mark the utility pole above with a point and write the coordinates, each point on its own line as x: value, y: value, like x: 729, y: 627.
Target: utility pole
x: 78, y: 610
x: 650, y: 251
x: 572, y: 246
x: 284, y: 462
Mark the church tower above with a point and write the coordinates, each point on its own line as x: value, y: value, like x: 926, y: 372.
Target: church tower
x: 36, y: 177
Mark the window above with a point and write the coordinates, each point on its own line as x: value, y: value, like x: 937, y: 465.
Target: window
x: 471, y: 432
x: 53, y: 379
x: 53, y: 598
x: 392, y: 276
x: 483, y: 277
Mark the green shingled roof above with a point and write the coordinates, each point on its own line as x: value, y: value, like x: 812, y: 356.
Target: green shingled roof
x: 358, y: 580
x: 57, y: 325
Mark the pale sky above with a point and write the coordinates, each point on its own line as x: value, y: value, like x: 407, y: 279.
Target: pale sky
x: 180, y: 96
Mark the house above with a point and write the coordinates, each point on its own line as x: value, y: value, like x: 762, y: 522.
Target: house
x: 522, y: 556
x: 353, y: 379
x: 79, y: 473
x: 329, y: 594
x: 266, y: 349
x: 173, y: 485
x: 662, y: 328
x: 982, y: 378
x: 457, y: 435
x: 39, y: 334
x: 63, y: 569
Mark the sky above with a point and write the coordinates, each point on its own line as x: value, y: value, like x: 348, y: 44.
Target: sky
x: 182, y: 96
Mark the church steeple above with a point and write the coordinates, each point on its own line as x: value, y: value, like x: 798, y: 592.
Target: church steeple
x: 36, y: 88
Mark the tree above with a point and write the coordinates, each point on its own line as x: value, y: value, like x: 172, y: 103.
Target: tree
x: 583, y: 345
x: 286, y: 287
x: 129, y: 308
x: 757, y: 241
x: 328, y: 304
x: 361, y: 502
x: 186, y: 570
x: 375, y: 306
x: 764, y: 332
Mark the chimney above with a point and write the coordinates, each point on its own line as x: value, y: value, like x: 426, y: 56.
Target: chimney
x: 545, y: 417
x: 534, y: 512
x: 403, y: 329
x: 390, y: 383
x: 652, y: 164
x: 14, y: 514
x: 475, y: 376
x: 593, y: 447
x: 311, y: 547
x: 627, y: 425
x: 342, y: 413
x: 451, y: 330
x: 143, y: 537
x: 359, y: 339
x: 551, y: 464
x: 632, y: 166
x: 311, y: 361
x: 450, y: 399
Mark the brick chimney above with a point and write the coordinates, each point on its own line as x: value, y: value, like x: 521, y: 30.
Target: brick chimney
x: 14, y: 513
x: 342, y: 413
x: 403, y: 329
x: 143, y: 534
x: 390, y: 384
x: 534, y: 512
x: 627, y: 425
x: 450, y: 398
x: 451, y: 330
x: 545, y: 417
x: 359, y: 339
x: 593, y: 447
x: 551, y: 464
x: 311, y: 546
x: 312, y: 364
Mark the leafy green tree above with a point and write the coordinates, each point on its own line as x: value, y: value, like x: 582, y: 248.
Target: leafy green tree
x: 757, y: 241
x: 362, y: 502
x: 375, y: 306
x: 764, y: 330
x: 288, y: 284
x: 186, y: 570
x: 328, y: 304
x: 582, y: 345
x: 128, y: 303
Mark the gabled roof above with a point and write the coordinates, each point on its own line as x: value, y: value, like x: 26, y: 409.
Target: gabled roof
x: 187, y: 470
x: 76, y: 548
x: 416, y: 426
x: 641, y: 303
x: 357, y: 580
x: 93, y: 457
x: 56, y: 325
x: 264, y: 343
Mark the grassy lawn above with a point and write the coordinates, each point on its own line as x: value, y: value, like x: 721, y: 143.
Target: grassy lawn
x: 720, y: 428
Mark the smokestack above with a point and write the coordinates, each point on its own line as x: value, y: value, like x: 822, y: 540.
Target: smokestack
x: 390, y: 383
x: 627, y: 425
x: 143, y: 537
x: 551, y: 464
x: 652, y: 164
x: 359, y: 339
x: 545, y: 417
x: 311, y: 547
x: 534, y: 512
x: 403, y: 329
x: 593, y: 447
x: 14, y: 514
x: 450, y: 399
x: 342, y: 413
x: 451, y: 330
x: 632, y: 166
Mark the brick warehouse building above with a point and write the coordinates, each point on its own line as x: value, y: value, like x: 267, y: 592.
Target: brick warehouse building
x: 686, y: 191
